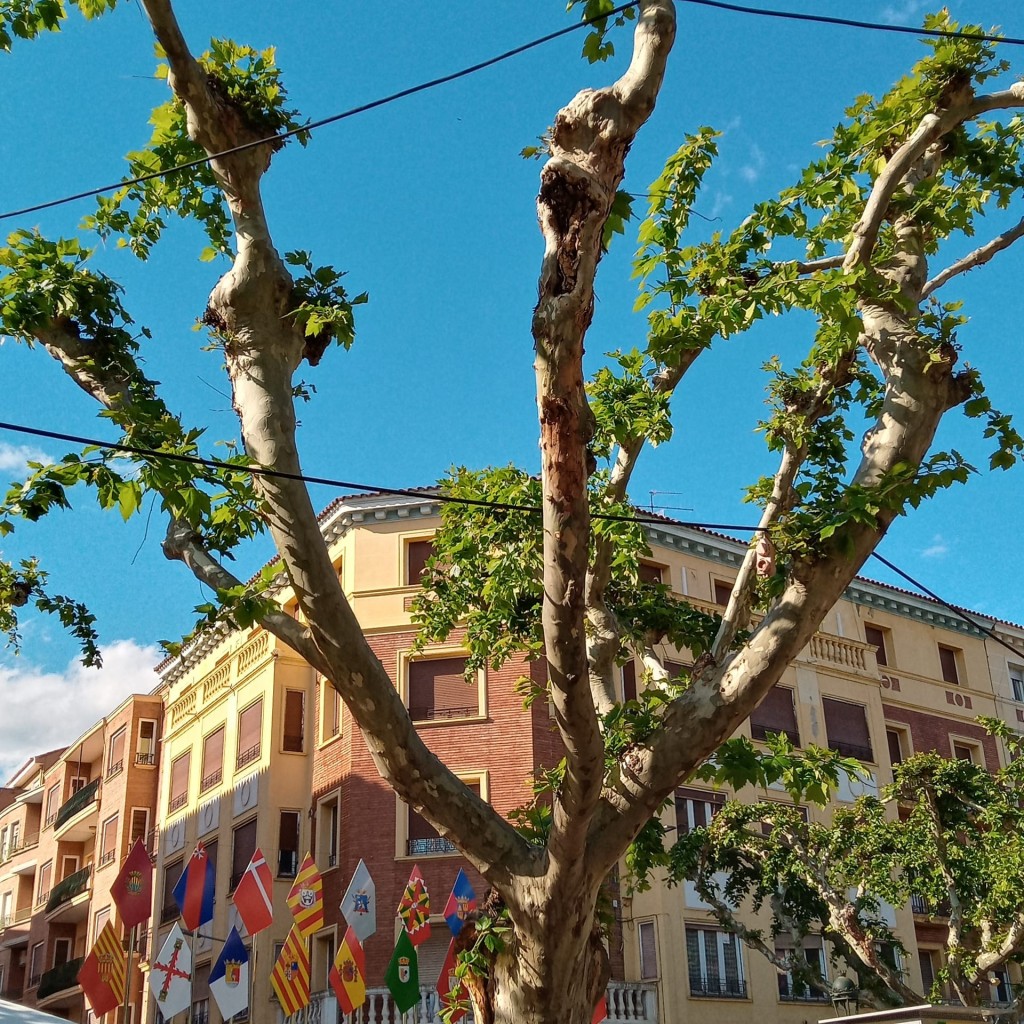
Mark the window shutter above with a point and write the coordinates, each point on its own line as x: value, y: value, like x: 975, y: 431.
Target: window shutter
x: 629, y: 680
x: 947, y: 661
x: 874, y: 636
x: 438, y: 689
x: 213, y: 757
x: 775, y: 714
x: 250, y: 727
x: 179, y: 779
x: 847, y: 728
x: 648, y: 950
x: 244, y: 840
x: 417, y: 552
x: 294, y: 720
x: 116, y: 756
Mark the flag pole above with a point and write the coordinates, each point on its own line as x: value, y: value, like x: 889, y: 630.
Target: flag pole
x: 129, y: 956
x: 252, y: 976
x: 192, y: 953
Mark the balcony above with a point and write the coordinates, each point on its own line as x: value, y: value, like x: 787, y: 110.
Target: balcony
x: 19, y: 846
x: 761, y: 733
x: 854, y: 750
x: 211, y: 780
x: 145, y: 760
x: 434, y: 714
x: 59, y: 986
x: 74, y: 821
x: 69, y: 899
x: 247, y: 756
x: 115, y: 769
x: 710, y: 986
x: 433, y: 845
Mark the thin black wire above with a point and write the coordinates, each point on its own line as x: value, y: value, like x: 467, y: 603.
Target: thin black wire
x: 502, y: 506
x: 490, y: 62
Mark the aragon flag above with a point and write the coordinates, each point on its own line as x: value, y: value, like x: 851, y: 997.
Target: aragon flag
x: 414, y: 907
x: 102, y: 973
x: 132, y: 890
x: 290, y: 976
x: 348, y: 975
x: 306, y: 898
x: 403, y: 976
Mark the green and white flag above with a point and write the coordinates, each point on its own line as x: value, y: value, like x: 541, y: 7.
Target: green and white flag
x: 403, y: 975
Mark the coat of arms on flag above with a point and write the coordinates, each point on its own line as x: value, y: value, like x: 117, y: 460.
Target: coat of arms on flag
x: 359, y: 904
x: 306, y: 898
x: 229, y: 979
x: 348, y: 975
x: 102, y: 973
x: 450, y: 990
x: 414, y: 908
x: 461, y: 903
x: 290, y: 976
x: 132, y: 889
x: 402, y: 976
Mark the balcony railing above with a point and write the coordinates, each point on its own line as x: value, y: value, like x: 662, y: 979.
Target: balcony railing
x: 760, y: 733
x: 854, y: 750
x: 177, y: 801
x: 247, y: 756
x: 430, y: 714
x: 78, y: 802
x: 712, y: 987
x: 15, y: 917
x: 211, y: 780
x: 115, y: 769
x: 60, y: 978
x: 918, y: 904
x: 107, y: 857
x: 19, y: 845
x: 435, y: 844
x: 65, y: 891
x: 287, y: 863
x: 145, y: 759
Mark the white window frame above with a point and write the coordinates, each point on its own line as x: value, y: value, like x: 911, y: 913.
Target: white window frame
x: 720, y: 941
x: 1016, y: 674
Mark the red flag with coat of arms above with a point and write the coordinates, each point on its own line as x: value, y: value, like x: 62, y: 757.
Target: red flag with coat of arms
x: 414, y: 908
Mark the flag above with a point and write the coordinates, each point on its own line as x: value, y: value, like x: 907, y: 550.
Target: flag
x: 306, y: 898
x: 359, y: 904
x: 450, y: 989
x: 102, y: 973
x: 170, y: 975
x: 348, y: 975
x: 414, y: 908
x: 601, y: 1010
x: 403, y: 976
x: 253, y: 899
x: 229, y: 979
x: 194, y: 891
x: 132, y: 891
x: 290, y: 976
x: 460, y: 903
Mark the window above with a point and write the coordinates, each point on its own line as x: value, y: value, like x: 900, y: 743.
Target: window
x: 140, y: 826
x: 629, y: 680
x: 794, y: 987
x: 77, y: 782
x: 145, y: 750
x: 722, y: 592
x: 172, y: 873
x: 15, y: 836
x: 35, y: 962
x: 322, y: 961
x: 330, y: 711
x: 1001, y: 989
x: 108, y: 840
x: 213, y: 760
x: 647, y: 936
x: 695, y: 808
x: 875, y: 636
x: 250, y: 730
x: 423, y: 839
x: 100, y: 918
x: 715, y: 964
x: 648, y: 572
x: 6, y: 917
x: 3, y: 844
x: 200, y: 994
x: 289, y: 824
x: 948, y: 663
x: 294, y: 721
x: 243, y: 845
x: 965, y: 752
x: 179, y: 781
x: 438, y: 689
x: 1017, y: 682
x: 68, y: 865
x: 211, y: 856
x: 327, y: 818
x: 926, y: 961
x: 417, y: 554
x: 115, y: 752
x: 847, y: 727
x: 894, y: 738
x: 52, y: 803
x: 45, y: 882
x: 775, y: 714
x: 61, y: 951
x: 675, y: 669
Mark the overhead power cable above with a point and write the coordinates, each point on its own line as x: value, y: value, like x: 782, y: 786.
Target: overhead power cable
x: 501, y: 506
x: 490, y: 62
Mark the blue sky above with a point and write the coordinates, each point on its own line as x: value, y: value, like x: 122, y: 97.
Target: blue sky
x: 429, y: 207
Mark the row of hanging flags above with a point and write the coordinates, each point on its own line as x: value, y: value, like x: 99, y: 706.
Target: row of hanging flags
x: 103, y: 974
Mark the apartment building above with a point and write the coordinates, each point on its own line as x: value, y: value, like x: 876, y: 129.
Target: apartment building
x: 237, y: 745
x: 67, y: 821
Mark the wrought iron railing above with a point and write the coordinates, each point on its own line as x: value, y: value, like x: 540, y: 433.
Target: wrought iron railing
x: 761, y: 732
x: 59, y: 978
x: 78, y: 802
x: 146, y: 759
x: 211, y: 780
x: 715, y: 987
x: 855, y: 750
x: 115, y: 769
x: 247, y: 756
x: 429, y: 714
x: 65, y: 891
x: 177, y: 801
x: 435, y: 844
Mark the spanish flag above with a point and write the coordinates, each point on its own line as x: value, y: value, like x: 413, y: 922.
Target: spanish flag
x: 348, y: 975
x: 290, y: 976
x: 306, y: 898
x: 102, y: 974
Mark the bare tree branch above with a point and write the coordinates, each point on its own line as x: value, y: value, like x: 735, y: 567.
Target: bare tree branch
x: 976, y: 258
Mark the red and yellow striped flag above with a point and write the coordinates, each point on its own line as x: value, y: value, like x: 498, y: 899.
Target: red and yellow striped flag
x: 306, y: 898
x: 290, y: 976
x: 102, y: 974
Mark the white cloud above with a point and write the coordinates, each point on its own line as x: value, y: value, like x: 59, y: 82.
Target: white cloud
x: 903, y: 13
x: 752, y: 171
x: 937, y: 548
x: 719, y: 204
x: 45, y: 710
x: 15, y: 457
